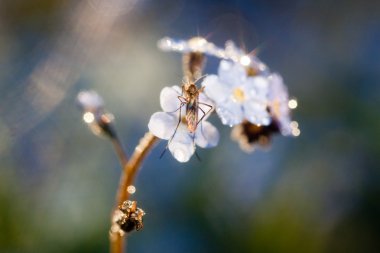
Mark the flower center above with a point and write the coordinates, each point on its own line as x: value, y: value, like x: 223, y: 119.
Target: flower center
x: 238, y: 95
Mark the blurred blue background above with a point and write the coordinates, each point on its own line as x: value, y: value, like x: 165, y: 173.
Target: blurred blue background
x: 316, y: 193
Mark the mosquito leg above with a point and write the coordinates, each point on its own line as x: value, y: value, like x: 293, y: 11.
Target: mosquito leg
x: 205, y: 113
x: 183, y: 102
x: 179, y: 122
x: 200, y: 121
x: 182, y: 99
x: 175, y: 131
x: 195, y: 151
x: 180, y: 116
x: 197, y: 156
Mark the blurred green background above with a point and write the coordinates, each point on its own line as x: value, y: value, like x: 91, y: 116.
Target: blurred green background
x: 316, y: 193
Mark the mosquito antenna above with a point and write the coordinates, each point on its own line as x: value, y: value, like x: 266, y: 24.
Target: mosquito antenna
x: 200, y: 78
x: 197, y: 156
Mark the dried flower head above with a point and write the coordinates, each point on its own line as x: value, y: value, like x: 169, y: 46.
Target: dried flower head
x: 250, y: 136
x: 128, y: 218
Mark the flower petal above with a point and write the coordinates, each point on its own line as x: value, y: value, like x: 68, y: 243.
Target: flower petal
x: 216, y: 90
x: 163, y: 124
x: 230, y: 112
x: 182, y: 146
x: 278, y: 103
x: 256, y: 86
x: 207, y: 135
x: 277, y: 89
x: 169, y: 98
x: 90, y: 100
x: 260, y: 85
x: 255, y: 111
x: 231, y: 73
x: 285, y: 125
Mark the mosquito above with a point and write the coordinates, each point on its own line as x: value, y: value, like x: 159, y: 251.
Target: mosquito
x: 190, y: 98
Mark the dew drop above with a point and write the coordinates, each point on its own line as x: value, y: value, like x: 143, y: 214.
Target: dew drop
x: 131, y: 189
x: 296, y: 132
x: 294, y: 124
x: 245, y: 60
x: 88, y: 117
x: 292, y: 104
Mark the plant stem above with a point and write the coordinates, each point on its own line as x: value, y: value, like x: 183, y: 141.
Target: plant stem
x: 120, y: 151
x: 192, y: 65
x: 130, y: 169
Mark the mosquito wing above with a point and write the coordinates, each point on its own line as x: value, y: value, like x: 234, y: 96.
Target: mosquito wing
x: 192, y: 115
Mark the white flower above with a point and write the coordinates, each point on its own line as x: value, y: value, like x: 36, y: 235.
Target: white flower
x: 94, y: 114
x: 238, y: 96
x: 181, y: 141
x: 90, y: 100
x: 194, y: 44
x: 278, y: 103
x: 201, y: 45
x: 235, y: 54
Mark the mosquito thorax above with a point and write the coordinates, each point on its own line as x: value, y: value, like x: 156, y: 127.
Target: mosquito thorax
x: 191, y: 89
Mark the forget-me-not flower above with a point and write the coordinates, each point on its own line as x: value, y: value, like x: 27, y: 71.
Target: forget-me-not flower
x: 238, y: 96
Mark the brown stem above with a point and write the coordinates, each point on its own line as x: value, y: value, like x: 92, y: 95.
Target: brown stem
x: 130, y: 169
x: 132, y: 166
x: 192, y: 64
x: 116, y: 243
x: 120, y: 151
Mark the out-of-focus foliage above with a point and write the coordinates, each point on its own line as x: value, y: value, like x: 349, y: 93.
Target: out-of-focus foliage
x: 316, y: 193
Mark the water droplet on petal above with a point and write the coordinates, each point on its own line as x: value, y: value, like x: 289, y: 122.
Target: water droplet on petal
x: 245, y: 60
x: 88, y: 117
x: 292, y: 104
x: 294, y: 124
